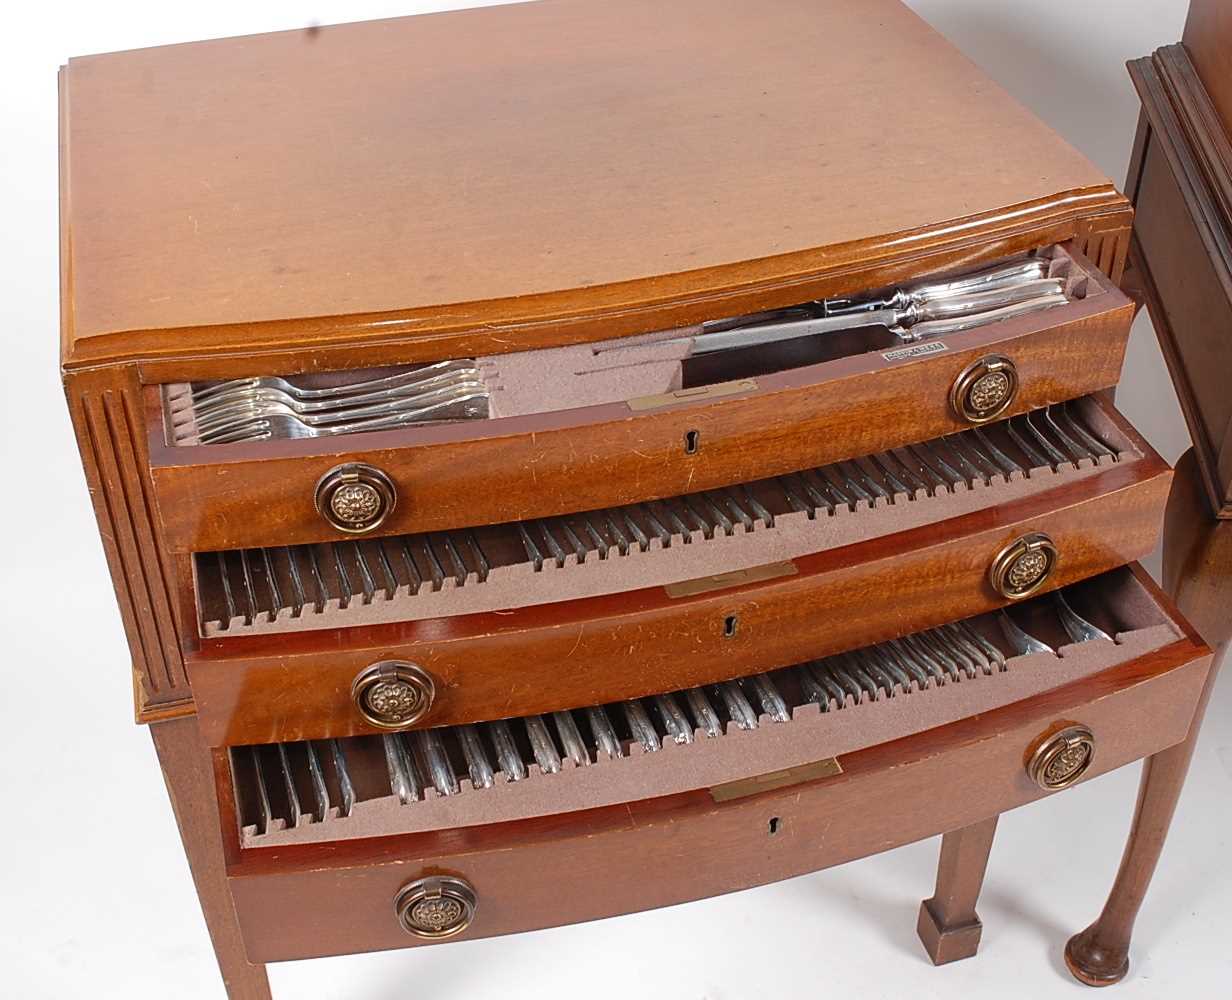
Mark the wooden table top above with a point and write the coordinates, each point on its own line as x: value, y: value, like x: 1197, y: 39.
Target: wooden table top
x: 564, y: 156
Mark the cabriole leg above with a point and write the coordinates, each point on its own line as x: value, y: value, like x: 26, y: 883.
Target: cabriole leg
x: 1198, y: 575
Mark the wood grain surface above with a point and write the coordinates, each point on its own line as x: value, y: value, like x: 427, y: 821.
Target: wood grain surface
x: 535, y: 162
x: 258, y: 689
x: 1181, y: 182
x: 188, y: 772
x: 1208, y: 32
x: 337, y: 897
x: 231, y: 496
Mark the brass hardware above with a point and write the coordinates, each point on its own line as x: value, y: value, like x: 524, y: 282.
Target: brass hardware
x: 1063, y: 758
x: 1021, y: 568
x: 984, y: 389
x: 355, y: 497
x: 716, y: 391
x: 743, y: 787
x: 735, y: 578
x: 393, y: 694
x: 436, y: 907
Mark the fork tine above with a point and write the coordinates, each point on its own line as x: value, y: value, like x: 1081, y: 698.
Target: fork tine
x: 290, y: 426
x: 425, y: 371
x: 206, y: 410
x: 238, y: 409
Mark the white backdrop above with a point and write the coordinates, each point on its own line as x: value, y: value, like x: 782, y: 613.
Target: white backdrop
x: 94, y: 891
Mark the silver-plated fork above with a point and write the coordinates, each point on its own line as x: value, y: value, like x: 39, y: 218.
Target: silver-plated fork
x: 238, y: 412
x: 205, y: 410
x: 203, y: 393
x: 287, y: 425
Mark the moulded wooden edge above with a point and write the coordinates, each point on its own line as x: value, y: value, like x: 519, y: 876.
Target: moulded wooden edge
x: 147, y: 713
x: 584, y: 314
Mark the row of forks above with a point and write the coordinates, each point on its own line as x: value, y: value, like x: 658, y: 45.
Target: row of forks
x: 260, y: 408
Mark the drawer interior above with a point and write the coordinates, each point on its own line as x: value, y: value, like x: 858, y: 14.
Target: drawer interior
x: 662, y: 543
x: 647, y: 370
x: 458, y: 776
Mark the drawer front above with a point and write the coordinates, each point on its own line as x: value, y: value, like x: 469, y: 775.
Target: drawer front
x: 337, y: 898
x: 230, y: 496
x: 556, y: 656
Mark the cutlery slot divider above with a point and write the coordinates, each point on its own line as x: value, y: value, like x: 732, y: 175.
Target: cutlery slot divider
x: 871, y: 695
x: 661, y: 542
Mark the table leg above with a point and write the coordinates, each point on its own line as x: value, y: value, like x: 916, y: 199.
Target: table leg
x: 190, y: 785
x: 1198, y: 575
x: 948, y: 925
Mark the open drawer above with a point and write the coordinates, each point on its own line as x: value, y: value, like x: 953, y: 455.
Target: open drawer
x: 959, y: 715
x: 625, y: 421
x: 671, y: 542
x: 699, y: 606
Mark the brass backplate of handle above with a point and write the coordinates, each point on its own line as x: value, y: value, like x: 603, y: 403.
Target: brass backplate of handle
x: 393, y: 694
x: 1060, y: 760
x: 355, y: 497
x: 984, y: 389
x: 436, y: 907
x: 1023, y: 566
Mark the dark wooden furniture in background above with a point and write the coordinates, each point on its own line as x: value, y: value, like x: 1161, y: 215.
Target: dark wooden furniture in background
x: 1180, y: 180
x: 214, y: 228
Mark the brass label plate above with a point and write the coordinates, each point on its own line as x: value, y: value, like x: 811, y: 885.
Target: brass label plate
x: 828, y: 768
x: 736, y: 578
x: 916, y: 351
x: 716, y: 391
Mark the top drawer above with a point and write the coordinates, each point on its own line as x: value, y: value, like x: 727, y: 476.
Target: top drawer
x: 624, y: 421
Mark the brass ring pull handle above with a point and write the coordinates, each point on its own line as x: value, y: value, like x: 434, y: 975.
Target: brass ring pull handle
x: 393, y: 694
x: 436, y: 907
x: 1062, y: 759
x: 1023, y: 566
x: 984, y: 389
x: 355, y: 497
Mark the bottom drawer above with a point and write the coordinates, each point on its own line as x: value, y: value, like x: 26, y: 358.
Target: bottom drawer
x: 682, y: 829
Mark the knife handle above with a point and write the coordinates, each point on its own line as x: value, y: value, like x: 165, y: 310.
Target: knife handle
x: 999, y: 276
x: 941, y: 327
x: 956, y: 305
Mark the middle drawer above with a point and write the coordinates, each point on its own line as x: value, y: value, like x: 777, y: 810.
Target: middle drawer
x: 704, y: 603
